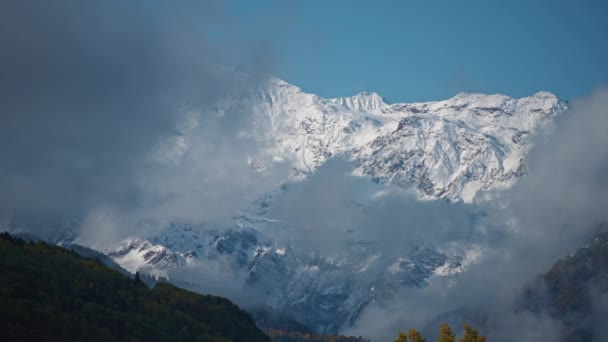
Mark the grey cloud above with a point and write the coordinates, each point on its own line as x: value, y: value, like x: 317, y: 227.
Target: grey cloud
x: 332, y: 209
x: 544, y: 217
x: 88, y: 89
x: 218, y: 277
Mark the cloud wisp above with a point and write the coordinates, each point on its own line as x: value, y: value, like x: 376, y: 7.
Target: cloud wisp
x: 112, y: 108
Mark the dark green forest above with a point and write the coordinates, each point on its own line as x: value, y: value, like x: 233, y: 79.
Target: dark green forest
x: 293, y: 336
x: 48, y: 293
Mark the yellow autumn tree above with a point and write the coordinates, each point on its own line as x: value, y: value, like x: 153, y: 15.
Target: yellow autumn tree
x: 446, y: 334
x: 415, y: 336
x: 471, y: 335
x: 411, y: 336
x: 401, y: 337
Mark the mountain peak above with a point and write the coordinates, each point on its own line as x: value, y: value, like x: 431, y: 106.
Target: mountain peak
x: 364, y: 101
x: 546, y: 94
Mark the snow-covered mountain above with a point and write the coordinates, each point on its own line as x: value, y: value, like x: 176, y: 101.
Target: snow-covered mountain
x: 454, y: 149
x: 446, y: 149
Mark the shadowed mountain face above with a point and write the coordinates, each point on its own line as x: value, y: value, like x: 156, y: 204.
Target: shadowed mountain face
x: 50, y: 294
x: 575, y: 289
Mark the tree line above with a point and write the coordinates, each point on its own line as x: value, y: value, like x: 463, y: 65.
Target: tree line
x: 445, y: 335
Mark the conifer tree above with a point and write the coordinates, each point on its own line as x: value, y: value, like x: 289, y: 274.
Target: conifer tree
x: 446, y: 334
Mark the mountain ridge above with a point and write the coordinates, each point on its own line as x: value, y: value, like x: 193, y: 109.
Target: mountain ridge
x: 447, y: 149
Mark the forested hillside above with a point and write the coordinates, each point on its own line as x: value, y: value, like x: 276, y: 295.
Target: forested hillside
x: 48, y: 293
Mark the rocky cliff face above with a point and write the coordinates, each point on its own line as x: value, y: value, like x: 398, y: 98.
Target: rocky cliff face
x: 574, y: 290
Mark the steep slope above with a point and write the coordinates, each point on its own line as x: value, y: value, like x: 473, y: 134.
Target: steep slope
x: 575, y: 290
x: 50, y: 294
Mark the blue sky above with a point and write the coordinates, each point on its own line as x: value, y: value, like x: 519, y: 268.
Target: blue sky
x: 426, y: 50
